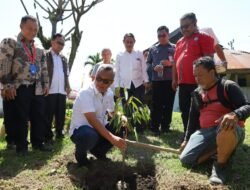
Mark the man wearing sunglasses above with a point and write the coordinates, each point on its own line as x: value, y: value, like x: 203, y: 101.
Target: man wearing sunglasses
x: 59, y: 87
x: 190, y: 47
x: 160, y: 59
x: 89, y: 129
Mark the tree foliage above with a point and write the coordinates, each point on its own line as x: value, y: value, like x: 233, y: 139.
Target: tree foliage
x: 58, y: 11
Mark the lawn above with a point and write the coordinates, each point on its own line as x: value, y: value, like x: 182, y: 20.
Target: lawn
x: 142, y: 169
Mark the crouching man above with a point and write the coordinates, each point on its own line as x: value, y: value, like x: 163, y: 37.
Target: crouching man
x: 216, y: 121
x: 89, y: 129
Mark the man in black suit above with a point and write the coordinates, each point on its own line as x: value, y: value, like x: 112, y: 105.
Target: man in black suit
x: 58, y: 87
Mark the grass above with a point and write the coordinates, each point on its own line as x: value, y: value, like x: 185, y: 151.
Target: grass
x: 56, y: 170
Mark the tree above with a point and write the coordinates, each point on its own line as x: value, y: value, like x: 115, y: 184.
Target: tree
x: 231, y: 44
x: 93, y: 59
x: 59, y: 11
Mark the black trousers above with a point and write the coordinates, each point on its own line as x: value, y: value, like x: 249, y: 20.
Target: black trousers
x: 138, y: 92
x: 29, y: 107
x: 185, y: 91
x: 9, y: 114
x: 55, y: 107
x: 162, y: 105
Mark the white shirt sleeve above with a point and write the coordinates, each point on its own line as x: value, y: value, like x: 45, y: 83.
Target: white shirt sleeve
x: 144, y: 68
x: 86, y: 102
x: 117, y: 72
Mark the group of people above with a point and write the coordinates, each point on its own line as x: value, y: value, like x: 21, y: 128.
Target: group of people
x: 34, y: 86
x: 213, y: 110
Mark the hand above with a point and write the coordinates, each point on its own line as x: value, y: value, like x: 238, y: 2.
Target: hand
x: 158, y: 68
x: 10, y: 94
x: 166, y: 63
x: 174, y: 85
x: 183, y: 145
x: 119, y: 142
x: 68, y: 90
x: 227, y: 121
x: 117, y: 92
x: 46, y: 91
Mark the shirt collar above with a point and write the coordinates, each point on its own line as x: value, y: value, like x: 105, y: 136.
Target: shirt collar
x: 96, y: 91
x: 54, y: 53
x: 21, y: 38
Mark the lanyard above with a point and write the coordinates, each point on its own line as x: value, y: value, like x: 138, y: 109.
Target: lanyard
x: 31, y: 54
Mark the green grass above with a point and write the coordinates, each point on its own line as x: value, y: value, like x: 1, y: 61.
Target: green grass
x: 56, y: 170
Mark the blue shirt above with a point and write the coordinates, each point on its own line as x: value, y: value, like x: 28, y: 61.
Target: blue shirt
x: 156, y: 54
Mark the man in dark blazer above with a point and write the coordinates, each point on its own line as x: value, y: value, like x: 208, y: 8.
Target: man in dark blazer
x: 59, y: 87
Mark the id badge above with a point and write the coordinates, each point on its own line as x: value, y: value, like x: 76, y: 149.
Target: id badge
x: 33, y: 69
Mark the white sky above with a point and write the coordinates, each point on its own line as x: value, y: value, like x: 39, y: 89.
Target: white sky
x: 105, y: 24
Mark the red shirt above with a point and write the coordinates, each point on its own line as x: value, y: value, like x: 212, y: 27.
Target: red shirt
x: 213, y: 111
x: 188, y: 49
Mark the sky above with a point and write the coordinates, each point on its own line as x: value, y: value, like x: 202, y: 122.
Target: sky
x: 105, y: 24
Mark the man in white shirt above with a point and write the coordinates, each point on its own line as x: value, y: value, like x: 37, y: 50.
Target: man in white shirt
x: 89, y: 129
x: 131, y: 70
x: 59, y: 87
x: 106, y: 59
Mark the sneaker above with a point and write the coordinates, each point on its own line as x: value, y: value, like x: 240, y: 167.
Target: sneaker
x: 219, y: 173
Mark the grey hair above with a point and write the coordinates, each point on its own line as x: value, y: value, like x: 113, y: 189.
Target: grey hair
x: 105, y: 67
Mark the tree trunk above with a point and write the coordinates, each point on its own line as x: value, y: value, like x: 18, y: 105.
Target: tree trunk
x: 75, y: 42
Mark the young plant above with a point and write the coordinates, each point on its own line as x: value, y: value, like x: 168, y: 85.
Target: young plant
x: 129, y: 112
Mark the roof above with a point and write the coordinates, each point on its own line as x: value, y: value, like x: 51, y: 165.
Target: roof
x: 237, y: 60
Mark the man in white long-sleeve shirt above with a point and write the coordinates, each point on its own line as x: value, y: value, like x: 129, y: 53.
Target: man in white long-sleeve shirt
x: 131, y: 69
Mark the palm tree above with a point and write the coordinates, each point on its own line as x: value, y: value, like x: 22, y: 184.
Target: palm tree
x: 93, y: 59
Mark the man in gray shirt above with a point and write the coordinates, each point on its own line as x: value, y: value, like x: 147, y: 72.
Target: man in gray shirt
x: 160, y: 59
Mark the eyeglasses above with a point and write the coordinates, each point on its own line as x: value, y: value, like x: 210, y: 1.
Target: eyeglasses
x: 162, y: 36
x: 60, y: 43
x: 104, y: 81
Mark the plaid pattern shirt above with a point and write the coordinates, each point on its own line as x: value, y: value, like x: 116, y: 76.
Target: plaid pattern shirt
x: 15, y: 66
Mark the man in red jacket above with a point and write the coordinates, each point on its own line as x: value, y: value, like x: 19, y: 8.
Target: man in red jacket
x: 190, y: 47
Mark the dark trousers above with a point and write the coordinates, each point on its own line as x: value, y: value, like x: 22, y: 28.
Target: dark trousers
x: 162, y: 105
x: 9, y: 114
x: 29, y: 107
x: 87, y: 138
x: 138, y: 92
x: 185, y: 91
x: 55, y: 107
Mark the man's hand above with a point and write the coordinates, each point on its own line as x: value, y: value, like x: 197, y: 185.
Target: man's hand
x: 166, y: 63
x: 174, y: 85
x: 10, y: 94
x: 46, y: 91
x: 183, y: 145
x: 119, y: 142
x: 158, y: 68
x: 146, y: 85
x: 68, y: 90
x: 227, y: 121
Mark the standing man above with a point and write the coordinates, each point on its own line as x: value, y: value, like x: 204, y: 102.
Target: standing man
x: 106, y: 59
x: 190, y: 47
x: 59, y: 87
x: 24, y: 75
x: 160, y: 58
x: 89, y: 129
x: 131, y: 70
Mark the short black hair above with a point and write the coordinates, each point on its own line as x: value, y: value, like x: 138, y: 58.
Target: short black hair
x: 190, y: 16
x: 128, y: 35
x: 57, y: 35
x: 163, y: 28
x: 26, y: 18
x: 207, y: 62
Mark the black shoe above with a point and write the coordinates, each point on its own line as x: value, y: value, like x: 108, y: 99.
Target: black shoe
x: 155, y: 131
x: 10, y: 146
x: 219, y: 174
x: 165, y: 131
x: 42, y: 148
x: 21, y: 151
x: 82, y: 161
x: 60, y: 136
